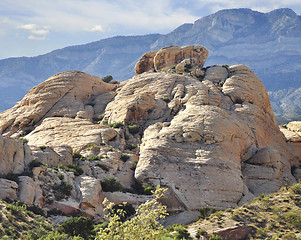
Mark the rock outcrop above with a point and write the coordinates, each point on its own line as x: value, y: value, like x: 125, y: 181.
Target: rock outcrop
x: 207, y: 134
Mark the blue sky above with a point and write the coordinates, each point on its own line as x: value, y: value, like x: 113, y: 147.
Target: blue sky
x: 33, y: 27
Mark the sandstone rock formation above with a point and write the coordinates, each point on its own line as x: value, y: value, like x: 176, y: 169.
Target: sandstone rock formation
x: 207, y: 134
x: 292, y: 132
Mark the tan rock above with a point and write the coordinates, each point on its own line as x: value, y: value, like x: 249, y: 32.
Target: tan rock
x: 29, y: 192
x: 8, y: 189
x: 62, y: 95
x: 145, y: 63
x: 291, y: 136
x: 62, y: 131
x: 294, y: 126
x: 89, y: 194
x: 169, y: 56
x: 14, y: 155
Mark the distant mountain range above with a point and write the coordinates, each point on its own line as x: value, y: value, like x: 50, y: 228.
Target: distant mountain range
x: 268, y: 43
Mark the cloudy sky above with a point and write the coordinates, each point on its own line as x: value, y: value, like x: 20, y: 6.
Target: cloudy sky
x: 33, y: 27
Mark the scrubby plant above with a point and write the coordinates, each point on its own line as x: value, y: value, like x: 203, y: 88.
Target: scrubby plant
x: 102, y: 166
x: 141, y: 189
x: 134, y: 166
x: 124, y: 157
x: 43, y: 147
x: 200, y: 232
x: 116, y: 125
x: 206, y: 212
x: 78, y: 226
x: 143, y: 225
x: 93, y: 157
x: 215, y: 237
x: 77, y: 170
x: 111, y: 185
x: 166, y: 99
x: 181, y: 232
x: 131, y: 146
x: 133, y: 129
x: 62, y: 191
x: 107, y: 79
x: 105, y: 122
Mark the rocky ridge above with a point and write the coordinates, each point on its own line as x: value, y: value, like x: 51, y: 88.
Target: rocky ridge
x: 207, y: 134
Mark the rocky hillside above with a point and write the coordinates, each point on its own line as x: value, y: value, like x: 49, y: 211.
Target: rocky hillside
x: 269, y: 43
x: 209, y: 135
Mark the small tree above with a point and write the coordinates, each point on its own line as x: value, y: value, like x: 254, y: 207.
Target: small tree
x: 107, y: 79
x: 78, y: 226
x: 144, y: 225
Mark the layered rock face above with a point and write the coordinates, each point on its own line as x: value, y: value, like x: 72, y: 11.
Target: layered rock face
x: 207, y: 134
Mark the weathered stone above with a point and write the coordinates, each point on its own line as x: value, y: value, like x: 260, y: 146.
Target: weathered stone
x: 8, y: 189
x: 234, y: 233
x: 29, y: 192
x: 62, y: 95
x: 145, y: 63
x: 89, y: 194
x: 171, y: 56
x: 14, y: 155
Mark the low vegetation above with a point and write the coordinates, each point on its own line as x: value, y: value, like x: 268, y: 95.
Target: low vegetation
x: 270, y: 217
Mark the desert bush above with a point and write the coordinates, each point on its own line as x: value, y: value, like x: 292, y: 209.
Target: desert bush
x: 141, y: 189
x: 93, y: 157
x: 42, y: 147
x: 36, y: 210
x: 181, y: 232
x: 134, y: 129
x: 116, y: 125
x: 77, y: 170
x: 200, y: 232
x: 296, y: 188
x: 143, y: 225
x: 107, y: 79
x: 131, y: 146
x: 206, y: 212
x: 111, y: 185
x: 166, y: 99
x: 62, y: 191
x: 215, y: 237
x: 102, y: 166
x: 78, y: 226
x: 124, y: 157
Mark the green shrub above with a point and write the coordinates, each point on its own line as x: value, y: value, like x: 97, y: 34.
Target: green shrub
x: 93, y: 157
x: 107, y: 79
x: 77, y: 170
x: 61, y: 176
x: 296, y: 188
x: 42, y: 147
x: 143, y: 225
x: 206, y: 212
x: 124, y: 157
x: 36, y: 210
x: 62, y: 191
x: 294, y: 218
x: 78, y: 226
x: 166, y: 99
x: 141, y: 189
x: 105, y: 122
x: 111, y: 185
x: 134, y: 129
x: 131, y: 146
x: 215, y: 237
x: 116, y: 125
x: 101, y: 165
x: 34, y: 164
x: 200, y: 232
x: 127, y: 210
x: 181, y: 232
x: 134, y: 166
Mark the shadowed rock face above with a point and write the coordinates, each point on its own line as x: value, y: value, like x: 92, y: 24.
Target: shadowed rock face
x: 209, y: 135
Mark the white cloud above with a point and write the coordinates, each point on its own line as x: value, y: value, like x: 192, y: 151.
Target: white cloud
x: 35, y: 38
x: 29, y: 27
x: 4, y: 20
x: 97, y: 28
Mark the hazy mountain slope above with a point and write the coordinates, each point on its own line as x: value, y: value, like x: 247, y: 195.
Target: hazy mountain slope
x: 269, y: 43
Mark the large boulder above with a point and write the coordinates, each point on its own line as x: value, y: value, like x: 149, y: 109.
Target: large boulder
x: 14, y: 155
x: 8, y: 189
x: 68, y: 94
x: 170, y: 57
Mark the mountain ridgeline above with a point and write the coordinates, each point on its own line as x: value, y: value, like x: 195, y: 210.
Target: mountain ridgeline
x: 269, y: 43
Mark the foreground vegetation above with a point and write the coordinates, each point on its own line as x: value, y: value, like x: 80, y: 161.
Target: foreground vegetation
x: 270, y: 217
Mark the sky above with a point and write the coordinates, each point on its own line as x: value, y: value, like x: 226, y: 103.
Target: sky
x: 35, y: 27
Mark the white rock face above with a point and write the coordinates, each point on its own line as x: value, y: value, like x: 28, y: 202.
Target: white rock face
x: 14, y: 155
x: 29, y: 192
x: 89, y: 194
x: 8, y: 189
x: 208, y: 135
